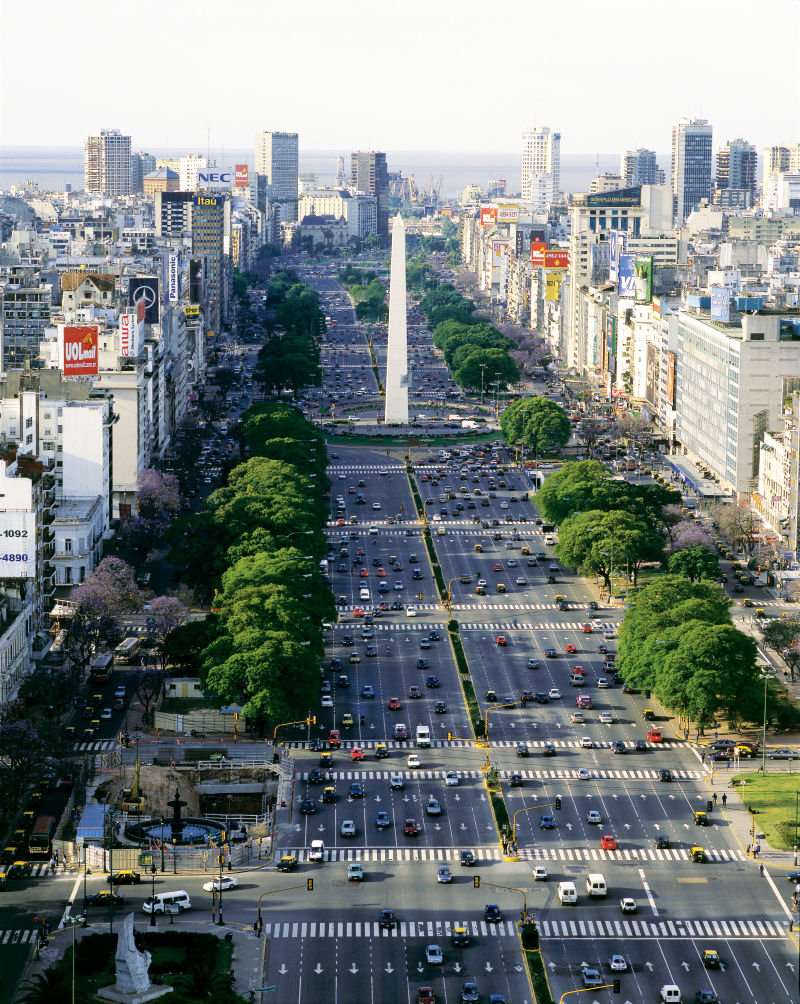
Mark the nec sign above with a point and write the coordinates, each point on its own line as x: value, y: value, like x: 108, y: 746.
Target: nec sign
x: 215, y: 179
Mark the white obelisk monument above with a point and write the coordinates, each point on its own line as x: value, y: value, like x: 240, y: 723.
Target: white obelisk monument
x: 396, y: 382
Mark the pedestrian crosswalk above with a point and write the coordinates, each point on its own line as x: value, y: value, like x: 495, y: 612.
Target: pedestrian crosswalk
x: 496, y: 605
x: 540, y: 855
x: 598, y: 774
x: 533, y: 744
x: 98, y: 746
x: 728, y: 928
x: 428, y: 929
x: 18, y: 936
x: 470, y: 625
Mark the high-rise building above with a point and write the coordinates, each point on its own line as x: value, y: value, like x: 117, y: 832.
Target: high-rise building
x: 639, y: 167
x: 691, y: 166
x: 188, y: 170
x: 211, y: 237
x: 24, y: 315
x: 736, y: 166
x: 369, y: 174
x: 277, y: 159
x: 541, y: 165
x: 341, y: 180
x: 141, y: 165
x: 107, y: 163
x: 779, y: 159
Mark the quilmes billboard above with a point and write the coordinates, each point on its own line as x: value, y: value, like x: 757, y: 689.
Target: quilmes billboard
x: 488, y: 216
x: 80, y: 351
x: 643, y: 269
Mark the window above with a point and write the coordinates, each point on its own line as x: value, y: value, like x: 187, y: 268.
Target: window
x: 68, y: 575
x: 28, y: 423
x: 67, y: 545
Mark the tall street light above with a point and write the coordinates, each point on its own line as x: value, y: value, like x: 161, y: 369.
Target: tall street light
x: 765, y: 676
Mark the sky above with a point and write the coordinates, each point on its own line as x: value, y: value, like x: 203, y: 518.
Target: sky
x: 443, y: 75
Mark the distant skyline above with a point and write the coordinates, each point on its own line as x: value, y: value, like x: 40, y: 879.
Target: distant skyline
x: 452, y: 75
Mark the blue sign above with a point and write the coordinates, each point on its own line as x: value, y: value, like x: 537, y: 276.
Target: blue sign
x: 627, y: 275
x: 720, y: 304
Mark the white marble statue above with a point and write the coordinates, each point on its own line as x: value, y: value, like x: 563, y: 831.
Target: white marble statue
x: 132, y: 965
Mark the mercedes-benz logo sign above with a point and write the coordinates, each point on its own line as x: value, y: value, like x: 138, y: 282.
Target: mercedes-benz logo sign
x: 144, y: 294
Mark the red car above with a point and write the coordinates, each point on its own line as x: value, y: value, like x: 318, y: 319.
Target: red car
x: 608, y: 843
x: 587, y: 628
x: 356, y: 753
x: 497, y: 567
x: 414, y: 692
x: 570, y: 649
x: 334, y: 739
x: 381, y: 573
x: 579, y: 670
x: 411, y: 828
x: 394, y: 703
x: 364, y: 573
x: 358, y: 611
x: 425, y: 995
x: 501, y: 640
x: 654, y: 736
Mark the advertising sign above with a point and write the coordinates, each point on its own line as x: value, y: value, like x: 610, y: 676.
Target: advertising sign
x: 141, y: 310
x: 620, y: 197
x: 557, y: 259
x: 488, y: 216
x: 656, y: 308
x: 80, y: 351
x: 507, y: 214
x: 215, y: 177
x: 644, y: 278
x: 18, y: 544
x: 651, y: 375
x: 497, y: 253
x: 144, y: 289
x: 627, y: 274
x: 720, y: 304
x: 127, y: 325
x: 519, y: 237
x: 241, y: 176
x: 538, y: 249
x: 671, y: 380
x: 206, y: 200
x: 191, y: 310
x: 616, y: 243
x: 553, y: 285
x: 173, y: 278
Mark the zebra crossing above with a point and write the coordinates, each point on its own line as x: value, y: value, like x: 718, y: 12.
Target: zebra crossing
x: 464, y: 529
x: 531, y: 775
x: 729, y: 928
x: 404, y: 929
x: 479, y: 606
x: 98, y: 746
x: 533, y: 744
x: 488, y: 855
x: 17, y: 936
x: 347, y: 628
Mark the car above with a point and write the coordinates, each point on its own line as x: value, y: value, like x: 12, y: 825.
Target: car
x: 570, y: 649
x: 665, y: 774
x: 394, y: 704
x: 425, y: 995
x: 413, y: 761
x: 628, y: 905
x: 547, y: 823
x: 783, y: 754
x: 698, y: 855
x: 700, y: 819
x: 466, y: 859
x: 443, y: 874
x: 105, y: 713
x: 606, y: 718
x: 602, y: 648
x: 592, y: 977
x: 576, y: 718
x: 104, y: 898
x: 469, y: 992
x: 662, y: 841
x: 533, y: 663
x: 587, y: 628
x: 522, y: 750
x: 451, y: 778
x: 414, y: 692
x: 127, y: 877
x: 654, y: 736
x: 287, y: 863
x: 368, y: 691
x: 425, y: 643
x: 396, y: 781
x: 539, y: 873
x: 356, y: 753
x: 326, y: 760
x: 640, y: 746
x: 587, y: 743
x: 383, y: 820
x: 549, y: 749
x: 618, y: 746
x: 492, y: 913
x: 381, y: 751
x: 398, y: 585
x: 711, y: 958
x: 593, y: 816
x: 356, y: 789
x: 705, y: 997
x: 440, y: 708
x: 608, y: 842
x: 602, y: 683
x: 515, y: 779
x: 387, y: 919
x: 422, y: 663
x: 410, y: 611
x: 617, y: 964
x: 432, y: 682
x: 400, y: 731
x: 308, y: 806
x: 584, y: 774
x: 434, y: 955
x: 355, y: 872
x: 433, y: 808
x: 550, y: 653
x: 501, y: 640
x: 554, y: 694
x: 348, y: 828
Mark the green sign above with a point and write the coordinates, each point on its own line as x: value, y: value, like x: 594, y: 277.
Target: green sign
x: 145, y: 858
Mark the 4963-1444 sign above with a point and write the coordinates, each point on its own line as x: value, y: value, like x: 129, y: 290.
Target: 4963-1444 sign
x: 17, y: 545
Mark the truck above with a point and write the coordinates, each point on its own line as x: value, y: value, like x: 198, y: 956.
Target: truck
x: 469, y: 423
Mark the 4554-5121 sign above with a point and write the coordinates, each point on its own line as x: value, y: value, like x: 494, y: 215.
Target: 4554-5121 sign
x: 17, y: 545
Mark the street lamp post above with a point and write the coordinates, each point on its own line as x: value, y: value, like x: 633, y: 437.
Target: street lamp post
x: 765, y: 677
x: 152, y: 893
x: 482, y: 368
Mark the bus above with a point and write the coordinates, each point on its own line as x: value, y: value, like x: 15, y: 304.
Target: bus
x: 127, y: 650
x: 41, y: 835
x: 101, y: 668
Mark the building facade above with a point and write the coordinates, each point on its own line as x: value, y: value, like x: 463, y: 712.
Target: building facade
x: 107, y: 164
x: 276, y: 157
x: 369, y: 174
x: 541, y: 164
x: 691, y: 166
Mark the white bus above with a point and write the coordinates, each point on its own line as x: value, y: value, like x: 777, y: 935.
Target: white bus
x: 127, y: 650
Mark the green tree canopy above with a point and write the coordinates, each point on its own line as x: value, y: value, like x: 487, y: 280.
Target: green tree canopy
x: 694, y: 563
x: 598, y: 541
x: 498, y: 366
x: 540, y: 423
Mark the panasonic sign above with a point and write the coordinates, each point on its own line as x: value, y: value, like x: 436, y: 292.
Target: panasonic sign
x: 215, y: 178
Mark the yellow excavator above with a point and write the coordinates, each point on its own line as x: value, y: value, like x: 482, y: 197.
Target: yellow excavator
x: 132, y: 799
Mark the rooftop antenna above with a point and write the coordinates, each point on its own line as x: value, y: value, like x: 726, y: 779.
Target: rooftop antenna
x: 208, y: 145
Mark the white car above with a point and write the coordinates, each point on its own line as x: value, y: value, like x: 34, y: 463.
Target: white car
x: 411, y: 611
x: 539, y: 873
x: 584, y: 774
x: 413, y: 760
x: 576, y: 718
x: 355, y: 873
x: 587, y: 743
x: 628, y: 905
x: 443, y: 874
x: 602, y: 683
x: 396, y: 782
x: 227, y: 882
x: 606, y: 718
x: 376, y: 505
x: 554, y: 694
x: 348, y: 828
x: 617, y: 964
x: 451, y: 778
x: 326, y: 701
x: 593, y: 816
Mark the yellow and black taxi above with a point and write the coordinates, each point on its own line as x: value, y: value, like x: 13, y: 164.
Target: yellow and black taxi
x: 381, y: 751
x: 699, y: 855
x: 700, y: 819
x: 19, y: 870
x: 105, y: 898
x: 287, y: 863
x: 711, y: 958
x: 125, y: 877
x: 9, y: 855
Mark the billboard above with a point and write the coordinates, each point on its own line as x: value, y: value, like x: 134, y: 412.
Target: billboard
x: 206, y: 200
x: 671, y: 380
x: 215, y: 177
x: 553, y: 285
x: 652, y: 372
x: 488, y: 216
x: 241, y: 176
x: 507, y: 214
x: 643, y: 269
x: 557, y: 259
x: 18, y: 548
x: 616, y: 243
x: 127, y: 334
x: 497, y: 253
x: 656, y: 301
x: 191, y: 310
x: 519, y: 242
x: 720, y: 304
x: 144, y: 289
x: 627, y: 274
x: 173, y: 278
x: 538, y: 249
x: 80, y: 351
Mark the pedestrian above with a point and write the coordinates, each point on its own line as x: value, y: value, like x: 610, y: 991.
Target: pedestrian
x: 724, y: 799
x: 52, y: 865
x: 55, y: 857
x: 703, y: 757
x: 716, y: 736
x: 748, y: 849
x: 35, y: 921
x: 757, y: 851
x: 47, y: 925
x: 761, y: 869
x: 715, y: 798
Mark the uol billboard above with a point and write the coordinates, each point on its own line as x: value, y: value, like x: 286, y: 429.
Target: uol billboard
x: 80, y: 350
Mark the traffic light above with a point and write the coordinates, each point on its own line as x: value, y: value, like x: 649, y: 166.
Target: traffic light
x: 476, y: 881
x: 558, y: 801
x: 617, y: 988
x: 709, y: 806
x: 313, y: 719
x: 449, y: 736
x: 310, y: 884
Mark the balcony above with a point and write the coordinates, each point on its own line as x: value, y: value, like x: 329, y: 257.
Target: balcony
x: 49, y: 550
x: 48, y: 534
x: 48, y: 516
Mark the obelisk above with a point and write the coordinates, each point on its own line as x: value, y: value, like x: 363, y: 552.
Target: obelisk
x: 396, y: 382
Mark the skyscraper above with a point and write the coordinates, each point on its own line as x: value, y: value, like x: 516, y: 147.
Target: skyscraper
x: 736, y: 166
x: 541, y: 165
x: 639, y: 167
x: 276, y: 158
x: 691, y: 166
x: 142, y: 164
x: 107, y: 163
x: 211, y: 235
x: 368, y: 174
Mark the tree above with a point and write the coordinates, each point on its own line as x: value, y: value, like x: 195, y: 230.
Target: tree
x: 148, y: 684
x: 694, y: 563
x: 572, y: 488
x: 165, y: 614
x: 782, y: 635
x: 498, y: 365
x: 184, y: 645
x: 114, y: 580
x: 94, y: 624
x: 23, y: 756
x: 53, y: 986
x: 738, y: 523
x: 157, y: 494
x: 691, y: 534
x: 671, y: 516
x: 541, y: 424
x: 599, y: 541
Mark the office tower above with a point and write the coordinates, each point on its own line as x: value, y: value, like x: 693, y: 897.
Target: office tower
x: 276, y: 159
x: 24, y: 315
x: 639, y: 167
x: 691, y: 166
x: 142, y: 164
x: 736, y: 166
x: 188, y: 168
x: 172, y: 212
x: 541, y: 165
x: 779, y: 159
x: 396, y: 412
x: 211, y: 237
x: 369, y: 174
x: 107, y: 163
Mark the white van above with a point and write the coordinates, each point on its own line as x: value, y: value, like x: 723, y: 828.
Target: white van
x: 567, y: 893
x: 364, y: 593
x: 323, y: 566
x: 596, y: 885
x: 164, y: 902
x: 423, y: 736
x: 317, y: 851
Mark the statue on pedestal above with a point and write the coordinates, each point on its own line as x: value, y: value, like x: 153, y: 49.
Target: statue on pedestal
x: 133, y: 984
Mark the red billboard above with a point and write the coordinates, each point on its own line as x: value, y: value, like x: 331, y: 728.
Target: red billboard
x: 556, y: 259
x: 488, y: 216
x: 240, y: 176
x: 538, y: 249
x: 80, y: 350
